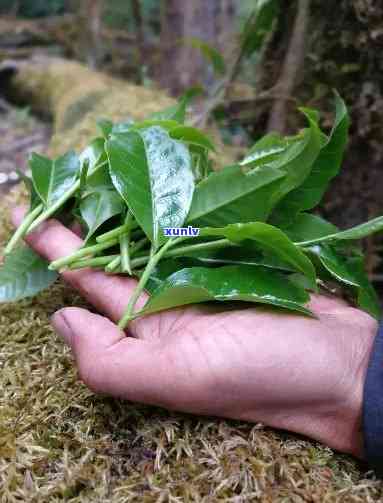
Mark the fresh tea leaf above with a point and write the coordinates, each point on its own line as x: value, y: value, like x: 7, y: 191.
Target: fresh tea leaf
x: 359, y: 232
x: 153, y: 173
x: 24, y: 274
x: 166, y: 124
x: 105, y: 126
x: 192, y: 136
x: 350, y: 271
x: 174, y: 112
x: 52, y: 179
x: 230, y: 196
x: 307, y: 226
x: 94, y: 153
x: 34, y: 198
x: 298, y: 159
x: 98, y: 207
x: 270, y: 238
x: 267, y: 149
x: 325, y: 168
x: 232, y: 283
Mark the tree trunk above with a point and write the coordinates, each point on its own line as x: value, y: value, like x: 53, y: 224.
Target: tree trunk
x: 140, y: 34
x: 182, y: 65
x: 91, y: 19
x: 293, y: 63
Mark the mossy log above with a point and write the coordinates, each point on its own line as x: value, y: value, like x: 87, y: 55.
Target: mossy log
x: 60, y: 442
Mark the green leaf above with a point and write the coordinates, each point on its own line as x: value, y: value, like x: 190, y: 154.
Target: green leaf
x: 153, y: 174
x: 270, y: 238
x: 335, y: 264
x: 174, y: 112
x: 24, y: 274
x: 166, y: 124
x: 248, y: 253
x: 166, y: 268
x: 308, y: 226
x: 359, y: 232
x: 350, y: 271
x: 52, y: 179
x: 123, y: 127
x: 201, y: 164
x: 34, y: 198
x: 324, y: 169
x: 298, y: 159
x: 230, y: 196
x: 267, y: 149
x: 193, y: 136
x: 212, y: 55
x: 232, y: 283
x: 105, y: 126
x: 94, y: 153
x: 98, y: 207
x: 98, y: 181
x: 258, y: 25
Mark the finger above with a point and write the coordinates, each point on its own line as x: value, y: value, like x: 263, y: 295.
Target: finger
x: 108, y: 362
x: 325, y: 304
x: 109, y: 294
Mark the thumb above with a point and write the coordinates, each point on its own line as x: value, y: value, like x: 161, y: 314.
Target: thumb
x: 109, y: 362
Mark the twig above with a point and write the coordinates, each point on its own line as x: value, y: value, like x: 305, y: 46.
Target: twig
x: 293, y: 63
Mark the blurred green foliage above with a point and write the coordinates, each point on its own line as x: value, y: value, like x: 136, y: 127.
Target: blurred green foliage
x: 32, y: 8
x: 118, y: 14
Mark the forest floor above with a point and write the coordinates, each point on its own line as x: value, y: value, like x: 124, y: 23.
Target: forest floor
x: 61, y: 442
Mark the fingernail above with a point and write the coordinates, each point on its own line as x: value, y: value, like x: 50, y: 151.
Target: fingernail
x: 62, y: 326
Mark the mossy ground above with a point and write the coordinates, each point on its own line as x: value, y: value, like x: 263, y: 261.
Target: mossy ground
x: 60, y: 442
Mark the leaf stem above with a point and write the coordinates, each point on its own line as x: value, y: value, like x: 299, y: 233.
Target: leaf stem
x: 82, y: 252
x: 93, y: 262
x: 55, y: 206
x: 23, y: 228
x: 62, y: 200
x: 183, y: 250
x: 124, y: 246
x: 115, y: 233
x: 142, y: 282
x: 138, y: 245
x: 114, y: 264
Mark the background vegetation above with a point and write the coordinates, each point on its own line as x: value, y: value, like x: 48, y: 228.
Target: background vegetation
x: 256, y: 62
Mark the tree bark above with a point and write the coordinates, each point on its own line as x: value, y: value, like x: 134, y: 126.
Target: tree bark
x: 140, y: 34
x: 91, y: 19
x: 292, y: 65
x: 182, y: 65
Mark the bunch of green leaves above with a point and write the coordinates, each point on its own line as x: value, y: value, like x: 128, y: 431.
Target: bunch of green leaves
x: 258, y: 240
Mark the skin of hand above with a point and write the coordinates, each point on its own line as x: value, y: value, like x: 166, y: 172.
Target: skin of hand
x: 255, y: 364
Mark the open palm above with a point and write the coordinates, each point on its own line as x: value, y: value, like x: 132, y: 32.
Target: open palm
x: 285, y: 370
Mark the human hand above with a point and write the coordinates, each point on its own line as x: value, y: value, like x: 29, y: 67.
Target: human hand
x: 256, y: 364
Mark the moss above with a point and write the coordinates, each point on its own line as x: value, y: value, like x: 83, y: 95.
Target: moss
x: 60, y: 442
x: 77, y: 110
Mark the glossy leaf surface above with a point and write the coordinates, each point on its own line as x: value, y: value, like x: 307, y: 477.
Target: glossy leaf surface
x: 267, y: 149
x: 52, y: 179
x: 153, y: 173
x: 359, y: 232
x: 94, y: 153
x: 98, y: 207
x: 193, y: 136
x: 324, y: 169
x: 270, y: 238
x: 230, y: 196
x: 24, y: 274
x: 350, y: 271
x: 250, y: 284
